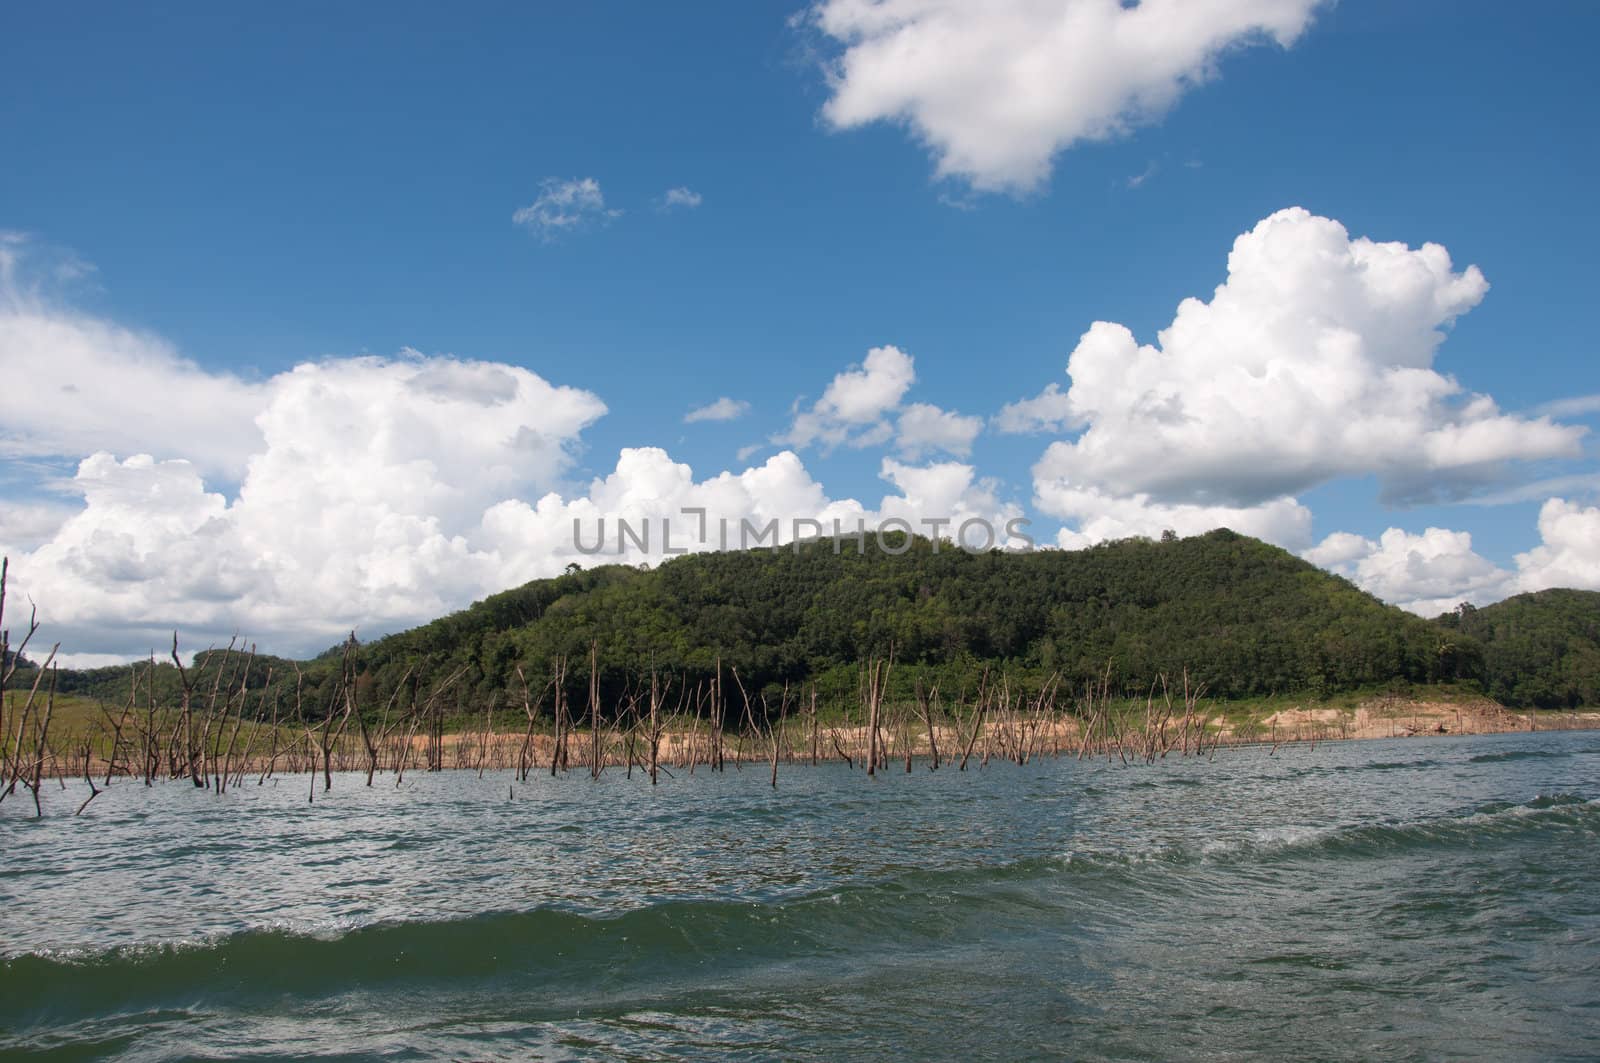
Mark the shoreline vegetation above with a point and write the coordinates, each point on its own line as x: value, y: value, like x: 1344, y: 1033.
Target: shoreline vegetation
x: 767, y: 659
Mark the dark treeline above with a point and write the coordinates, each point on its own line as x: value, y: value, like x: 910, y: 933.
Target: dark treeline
x: 1241, y: 617
x: 162, y: 683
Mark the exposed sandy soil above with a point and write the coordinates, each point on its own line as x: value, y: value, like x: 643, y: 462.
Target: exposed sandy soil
x: 1003, y: 736
x: 1402, y: 718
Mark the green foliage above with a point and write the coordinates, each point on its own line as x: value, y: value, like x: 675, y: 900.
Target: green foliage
x: 1245, y: 619
x: 210, y: 667
x: 1540, y: 650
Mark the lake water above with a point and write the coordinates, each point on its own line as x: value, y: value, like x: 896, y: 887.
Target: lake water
x: 1408, y: 899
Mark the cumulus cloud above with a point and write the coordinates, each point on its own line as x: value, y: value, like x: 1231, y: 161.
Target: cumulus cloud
x: 997, y: 88
x: 1095, y: 517
x: 76, y: 384
x: 27, y: 525
x: 150, y: 542
x: 723, y: 409
x: 153, y: 549
x: 1048, y: 411
x: 947, y: 500
x: 1568, y: 554
x: 564, y: 205
x: 650, y: 508
x: 925, y: 429
x: 649, y: 491
x: 343, y: 492
x: 376, y: 493
x: 860, y: 395
x: 1427, y: 574
x: 862, y: 407
x: 358, y: 509
x: 1436, y: 571
x: 852, y: 410
x: 1313, y: 360
x: 686, y: 198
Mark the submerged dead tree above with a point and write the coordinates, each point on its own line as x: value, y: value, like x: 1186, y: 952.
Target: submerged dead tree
x: 595, y: 758
x: 226, y: 714
x: 876, y: 678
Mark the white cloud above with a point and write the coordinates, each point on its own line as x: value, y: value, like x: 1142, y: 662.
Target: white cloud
x: 862, y: 408
x: 764, y: 505
x: 1312, y: 361
x: 723, y: 409
x: 951, y: 493
x: 1048, y: 411
x: 925, y: 429
x: 646, y: 488
x: 1538, y: 490
x: 996, y: 88
x: 852, y: 409
x: 1426, y: 574
x: 1568, y: 554
x: 858, y: 396
x: 376, y: 493
x: 1138, y: 179
x: 1576, y: 406
x: 372, y: 538
x: 1432, y: 573
x: 358, y: 506
x: 1097, y: 517
x: 687, y: 198
x: 565, y: 205
x: 75, y: 384
x: 151, y: 543
x: 11, y: 243
x: 404, y: 453
x: 1339, y: 551
x: 110, y: 660
x: 27, y: 525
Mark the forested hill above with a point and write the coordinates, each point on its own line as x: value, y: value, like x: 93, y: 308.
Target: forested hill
x: 1242, y: 617
x: 1540, y: 649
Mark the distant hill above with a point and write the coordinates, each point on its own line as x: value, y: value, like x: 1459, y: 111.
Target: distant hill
x: 1244, y: 618
x: 1540, y: 649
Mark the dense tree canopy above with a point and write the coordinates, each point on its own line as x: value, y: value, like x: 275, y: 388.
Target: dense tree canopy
x: 1540, y: 649
x: 1243, y: 618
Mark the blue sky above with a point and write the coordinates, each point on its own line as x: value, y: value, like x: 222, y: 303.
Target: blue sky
x: 261, y: 187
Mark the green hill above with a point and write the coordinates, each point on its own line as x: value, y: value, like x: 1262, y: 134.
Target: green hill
x: 1540, y: 650
x: 1244, y: 618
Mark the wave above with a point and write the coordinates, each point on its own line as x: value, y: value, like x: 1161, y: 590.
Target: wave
x: 1317, y: 770
x: 1518, y: 754
x: 551, y: 950
x: 1502, y: 822
x: 1553, y: 815
x: 1393, y: 765
x: 276, y: 961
